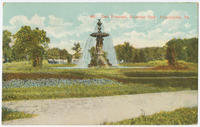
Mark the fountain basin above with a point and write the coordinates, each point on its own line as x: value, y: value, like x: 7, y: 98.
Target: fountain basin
x: 77, y: 67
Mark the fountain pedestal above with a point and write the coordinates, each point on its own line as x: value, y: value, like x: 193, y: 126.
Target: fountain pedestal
x: 100, y: 59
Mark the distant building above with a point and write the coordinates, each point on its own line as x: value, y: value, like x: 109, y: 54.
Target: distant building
x: 75, y: 61
x: 57, y: 61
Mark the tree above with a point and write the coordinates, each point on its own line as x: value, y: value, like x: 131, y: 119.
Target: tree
x: 191, y: 48
x: 137, y: 56
x: 53, y: 53
x: 149, y: 54
x: 142, y: 55
x: 65, y: 55
x: 125, y: 52
x: 31, y: 43
x: 77, y: 49
x: 185, y: 49
x: 7, y: 52
x: 171, y: 54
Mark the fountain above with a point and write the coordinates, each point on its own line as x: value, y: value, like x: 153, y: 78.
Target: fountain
x: 98, y: 51
x: 99, y: 56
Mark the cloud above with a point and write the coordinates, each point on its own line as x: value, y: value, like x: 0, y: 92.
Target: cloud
x: 145, y: 14
x: 145, y: 19
x: 56, y: 27
x: 17, y: 21
x: 55, y: 21
x: 114, y: 22
x: 57, y: 31
x: 140, y: 33
x: 152, y: 38
x: 23, y: 20
x: 159, y: 34
x: 173, y: 24
x: 86, y: 24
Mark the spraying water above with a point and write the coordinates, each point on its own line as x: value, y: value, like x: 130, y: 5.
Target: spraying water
x: 107, y: 47
x: 86, y: 57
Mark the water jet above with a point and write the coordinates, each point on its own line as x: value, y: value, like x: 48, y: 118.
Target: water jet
x: 98, y: 50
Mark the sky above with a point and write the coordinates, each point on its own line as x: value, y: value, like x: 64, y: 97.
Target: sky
x: 140, y: 24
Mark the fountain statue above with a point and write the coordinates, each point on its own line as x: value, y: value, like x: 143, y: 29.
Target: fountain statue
x: 99, y: 57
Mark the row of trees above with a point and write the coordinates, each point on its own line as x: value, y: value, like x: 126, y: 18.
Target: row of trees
x: 32, y: 45
x: 56, y: 53
x: 175, y: 49
x: 28, y: 44
x: 127, y: 53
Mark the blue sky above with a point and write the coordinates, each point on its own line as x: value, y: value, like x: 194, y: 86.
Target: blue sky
x: 67, y: 23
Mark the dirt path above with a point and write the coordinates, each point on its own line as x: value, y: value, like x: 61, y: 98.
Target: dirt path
x: 100, y: 109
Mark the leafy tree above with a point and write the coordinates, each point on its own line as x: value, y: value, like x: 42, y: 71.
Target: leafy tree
x: 125, y: 52
x: 149, y: 54
x: 137, y: 56
x: 65, y: 55
x: 31, y: 43
x: 142, y: 56
x: 185, y: 49
x: 191, y: 48
x: 77, y: 49
x: 171, y: 54
x: 7, y: 51
x: 53, y: 53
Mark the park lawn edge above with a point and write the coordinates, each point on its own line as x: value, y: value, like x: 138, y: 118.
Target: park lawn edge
x: 180, y: 116
x: 8, y: 114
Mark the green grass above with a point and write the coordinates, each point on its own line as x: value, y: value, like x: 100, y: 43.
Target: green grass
x: 52, y: 92
x: 25, y: 67
x: 182, y: 116
x: 150, y: 63
x: 134, y: 81
x: 8, y: 114
x: 159, y: 63
x: 159, y: 74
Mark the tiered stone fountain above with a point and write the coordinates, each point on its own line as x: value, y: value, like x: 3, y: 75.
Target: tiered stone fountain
x: 100, y: 60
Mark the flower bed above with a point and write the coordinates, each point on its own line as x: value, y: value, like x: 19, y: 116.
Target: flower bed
x: 17, y: 83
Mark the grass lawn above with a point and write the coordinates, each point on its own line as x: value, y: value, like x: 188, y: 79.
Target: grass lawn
x: 123, y: 81
x: 182, y: 116
x: 150, y: 63
x: 52, y: 92
x: 132, y: 81
x: 8, y: 114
